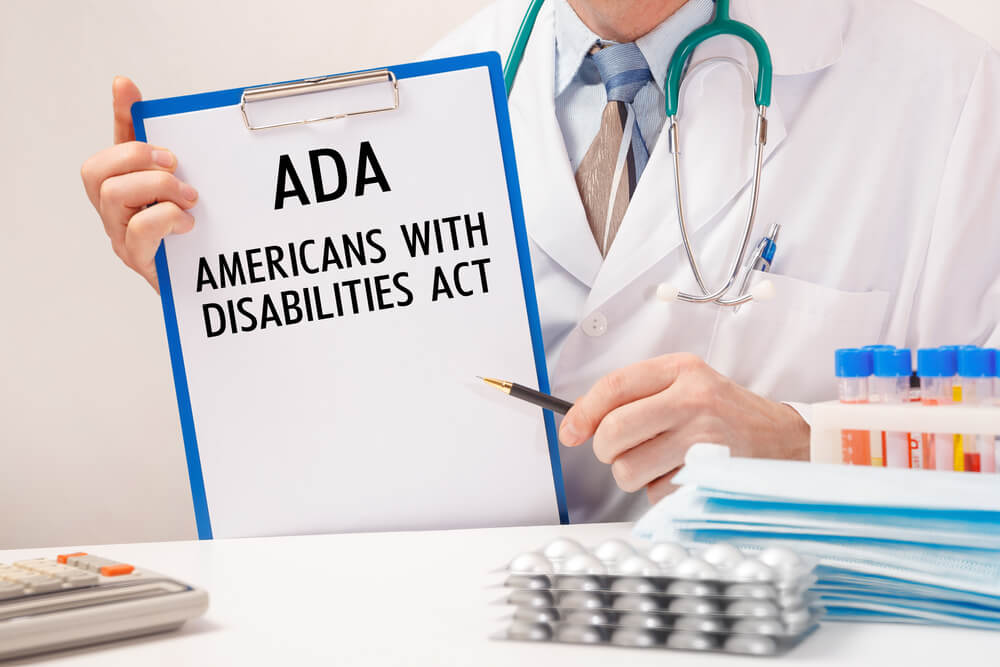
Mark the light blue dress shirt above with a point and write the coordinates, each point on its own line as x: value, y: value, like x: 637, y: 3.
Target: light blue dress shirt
x: 579, y: 93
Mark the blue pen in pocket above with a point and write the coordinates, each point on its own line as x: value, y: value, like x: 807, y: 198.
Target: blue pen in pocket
x: 761, y: 259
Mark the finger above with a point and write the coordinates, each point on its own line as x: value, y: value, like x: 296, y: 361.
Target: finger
x: 632, y: 424
x: 122, y: 159
x: 652, y: 459
x: 618, y: 388
x: 662, y: 487
x: 146, y: 229
x: 124, y: 94
x: 123, y: 196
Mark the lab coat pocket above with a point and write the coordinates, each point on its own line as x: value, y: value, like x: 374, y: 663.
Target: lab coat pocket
x: 783, y: 348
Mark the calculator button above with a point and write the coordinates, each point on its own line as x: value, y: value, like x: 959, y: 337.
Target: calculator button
x: 10, y: 590
x: 74, y: 577
x: 116, y: 570
x: 63, y: 557
x: 88, y: 562
x: 38, y: 583
x: 81, y: 579
x: 41, y: 584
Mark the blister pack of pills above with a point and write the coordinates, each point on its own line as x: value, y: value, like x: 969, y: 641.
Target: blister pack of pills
x: 660, y: 596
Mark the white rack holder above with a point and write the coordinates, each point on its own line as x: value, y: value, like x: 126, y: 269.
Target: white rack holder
x: 830, y: 418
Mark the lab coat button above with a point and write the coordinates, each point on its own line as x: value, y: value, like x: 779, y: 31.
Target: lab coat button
x: 596, y: 324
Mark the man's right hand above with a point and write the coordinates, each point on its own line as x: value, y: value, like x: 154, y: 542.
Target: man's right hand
x: 133, y: 187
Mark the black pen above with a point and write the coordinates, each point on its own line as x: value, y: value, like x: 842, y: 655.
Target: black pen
x: 556, y: 405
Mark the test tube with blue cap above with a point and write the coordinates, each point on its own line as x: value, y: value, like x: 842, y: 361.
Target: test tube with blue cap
x: 890, y: 383
x: 996, y: 402
x: 914, y: 439
x: 934, y: 390
x: 949, y: 369
x: 876, y: 438
x: 853, y: 367
x: 976, y: 370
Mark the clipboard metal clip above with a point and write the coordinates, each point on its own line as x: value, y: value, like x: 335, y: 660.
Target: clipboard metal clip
x: 318, y: 85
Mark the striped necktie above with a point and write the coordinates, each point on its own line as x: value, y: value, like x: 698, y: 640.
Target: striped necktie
x: 602, y: 173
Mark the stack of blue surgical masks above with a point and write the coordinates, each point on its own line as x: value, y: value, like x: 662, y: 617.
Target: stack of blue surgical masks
x: 895, y: 545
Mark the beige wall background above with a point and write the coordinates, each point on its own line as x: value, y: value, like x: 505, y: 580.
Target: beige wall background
x: 90, y: 443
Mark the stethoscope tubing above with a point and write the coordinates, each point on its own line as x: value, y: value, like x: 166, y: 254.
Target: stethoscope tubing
x: 721, y: 24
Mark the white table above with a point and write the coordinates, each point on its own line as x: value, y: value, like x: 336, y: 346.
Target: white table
x: 422, y: 599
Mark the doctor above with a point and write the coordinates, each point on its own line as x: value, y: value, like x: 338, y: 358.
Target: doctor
x: 882, y: 166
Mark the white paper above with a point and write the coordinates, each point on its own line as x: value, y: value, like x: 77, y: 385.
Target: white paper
x: 373, y: 421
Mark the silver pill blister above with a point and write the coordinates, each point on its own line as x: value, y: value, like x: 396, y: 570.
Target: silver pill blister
x: 637, y: 603
x: 759, y: 626
x: 614, y: 551
x: 698, y: 624
x: 536, y: 615
x: 529, y: 598
x: 782, y: 559
x: 636, y: 566
x: 667, y: 555
x: 588, y: 617
x: 750, y: 590
x: 634, y: 637
x: 722, y: 556
x: 582, y: 600
x: 796, y: 618
x: 529, y: 581
x: 684, y: 588
x: 713, y: 598
x: 583, y: 564
x: 752, y: 569
x: 691, y: 641
x: 692, y: 607
x: 647, y: 621
x: 578, y: 583
x: 538, y: 632
x: 531, y: 562
x: 633, y: 586
x: 581, y: 634
x: 754, y: 608
x: 750, y: 644
x: 695, y: 568
x: 562, y: 548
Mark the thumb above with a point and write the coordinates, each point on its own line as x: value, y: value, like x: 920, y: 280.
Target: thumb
x: 124, y: 94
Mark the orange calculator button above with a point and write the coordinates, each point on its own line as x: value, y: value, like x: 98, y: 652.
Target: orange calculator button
x: 115, y: 570
x: 62, y: 557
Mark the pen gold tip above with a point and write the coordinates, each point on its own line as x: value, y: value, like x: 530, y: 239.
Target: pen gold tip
x: 499, y: 384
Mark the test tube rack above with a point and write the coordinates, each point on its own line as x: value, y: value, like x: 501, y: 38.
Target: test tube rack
x: 828, y: 419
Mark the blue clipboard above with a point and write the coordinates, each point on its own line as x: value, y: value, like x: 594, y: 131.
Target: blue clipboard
x: 187, y: 103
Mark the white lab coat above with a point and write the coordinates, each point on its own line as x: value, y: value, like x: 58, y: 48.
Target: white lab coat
x: 882, y: 166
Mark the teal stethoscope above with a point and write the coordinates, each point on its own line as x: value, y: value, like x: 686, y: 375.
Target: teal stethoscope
x: 721, y: 24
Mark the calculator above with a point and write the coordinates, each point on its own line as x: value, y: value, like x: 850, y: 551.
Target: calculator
x: 79, y: 599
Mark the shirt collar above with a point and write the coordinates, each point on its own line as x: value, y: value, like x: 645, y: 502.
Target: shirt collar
x: 658, y: 45
x: 574, y: 39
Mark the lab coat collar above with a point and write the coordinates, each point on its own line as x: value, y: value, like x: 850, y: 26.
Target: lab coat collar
x: 554, y: 215
x: 803, y: 35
